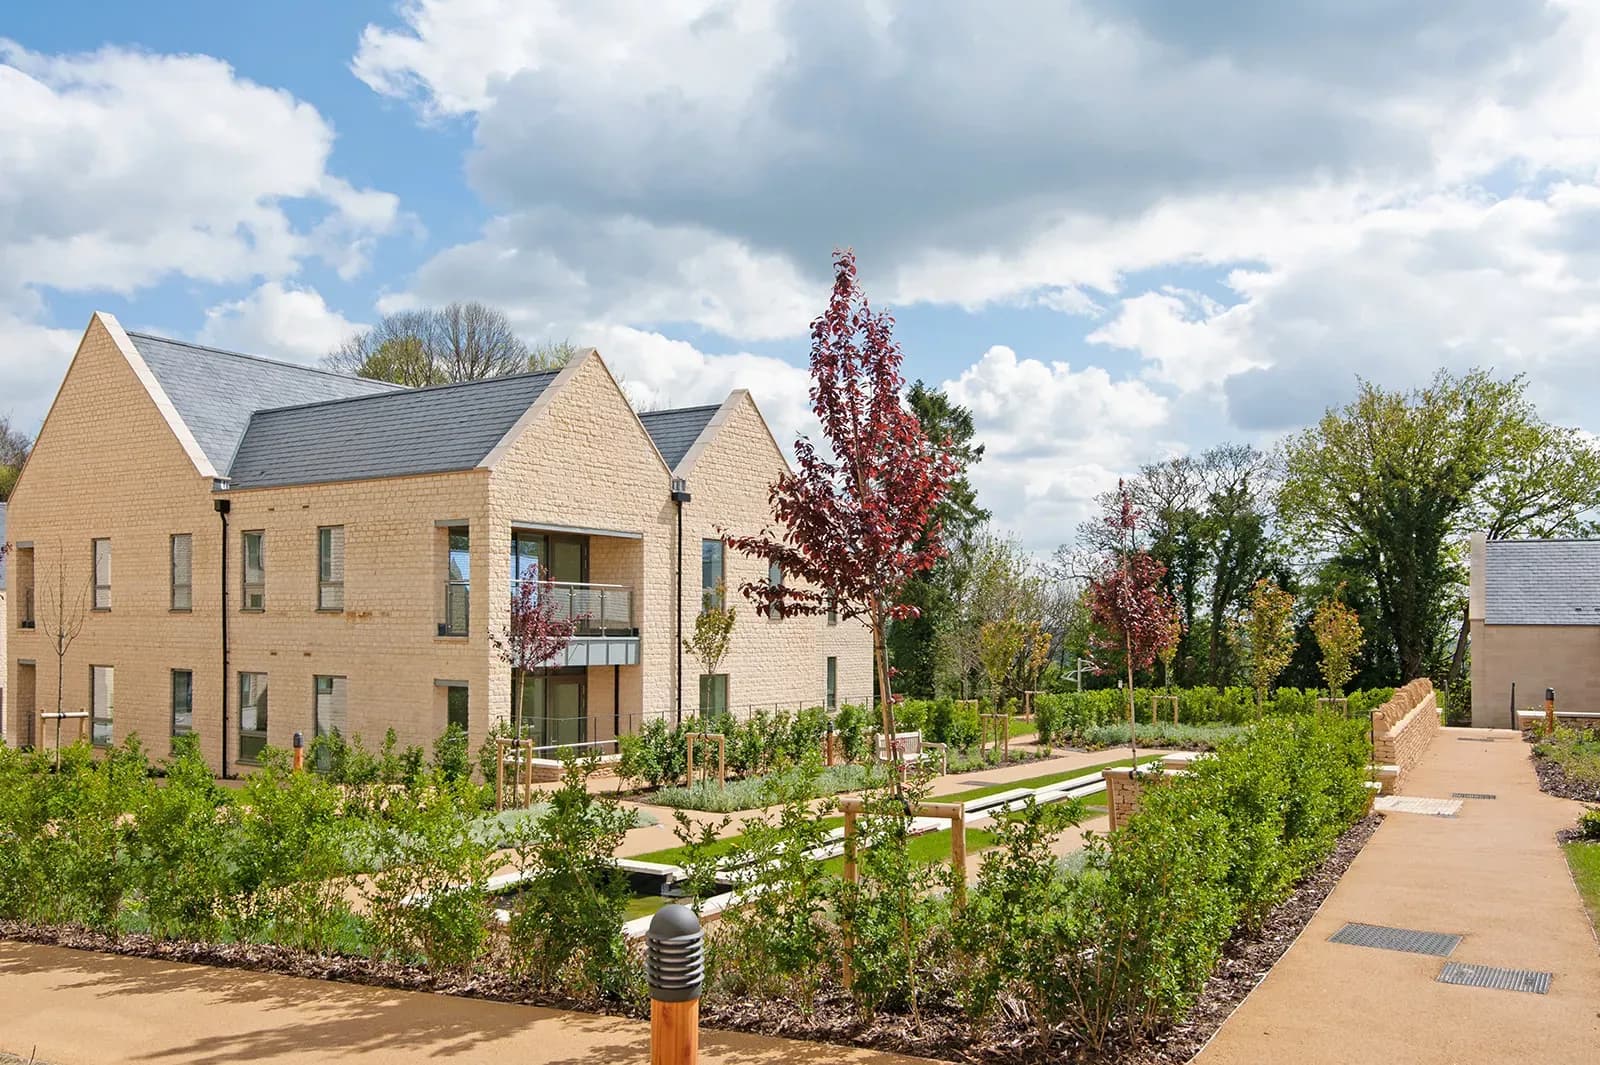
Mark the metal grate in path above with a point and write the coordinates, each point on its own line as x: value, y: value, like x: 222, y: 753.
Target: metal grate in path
x: 1476, y: 739
x: 1471, y: 795
x: 1408, y: 940
x: 1529, y: 980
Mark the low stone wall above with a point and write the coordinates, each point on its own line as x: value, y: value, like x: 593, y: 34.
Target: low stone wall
x: 1123, y: 788
x: 1402, y: 728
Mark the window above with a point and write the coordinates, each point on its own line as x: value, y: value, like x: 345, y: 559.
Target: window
x: 330, y: 567
x: 182, y: 555
x: 182, y: 702
x: 252, y: 716
x: 833, y: 683
x: 332, y: 710
x: 102, y: 689
x: 713, y: 693
x: 455, y: 712
x: 833, y: 611
x: 712, y: 575
x: 102, y: 574
x: 458, y: 582
x: 255, y: 570
x: 24, y: 578
x: 774, y: 580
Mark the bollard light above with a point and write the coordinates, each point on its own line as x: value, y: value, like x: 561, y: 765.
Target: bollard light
x: 674, y: 968
x: 299, y: 751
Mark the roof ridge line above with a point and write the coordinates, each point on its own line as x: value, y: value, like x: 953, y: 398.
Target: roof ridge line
x: 402, y: 390
x: 390, y: 385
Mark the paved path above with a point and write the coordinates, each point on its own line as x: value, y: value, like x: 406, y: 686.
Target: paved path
x: 1493, y: 874
x: 78, y: 1008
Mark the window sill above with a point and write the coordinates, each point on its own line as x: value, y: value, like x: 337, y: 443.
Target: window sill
x: 252, y: 610
x: 180, y: 610
x: 330, y: 610
x: 99, y: 610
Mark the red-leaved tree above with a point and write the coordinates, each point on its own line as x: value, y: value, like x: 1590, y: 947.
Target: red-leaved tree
x: 855, y: 522
x: 1135, y: 619
x: 538, y: 629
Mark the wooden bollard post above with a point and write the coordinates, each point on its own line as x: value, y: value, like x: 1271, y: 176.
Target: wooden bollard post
x: 674, y: 968
x: 299, y: 752
x: 1549, y: 711
x: 850, y: 807
x: 499, y: 774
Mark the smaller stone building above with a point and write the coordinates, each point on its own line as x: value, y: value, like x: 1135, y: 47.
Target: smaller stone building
x: 1534, y: 617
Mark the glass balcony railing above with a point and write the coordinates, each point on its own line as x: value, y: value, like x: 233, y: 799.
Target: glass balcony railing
x: 457, y: 601
x: 598, y: 609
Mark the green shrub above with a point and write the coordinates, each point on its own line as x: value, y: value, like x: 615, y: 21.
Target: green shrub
x: 87, y: 850
x: 566, y: 924
x: 757, y: 791
x: 655, y: 755
x: 428, y: 900
x: 24, y: 811
x: 450, y: 757
x: 181, y: 836
x: 1589, y: 823
x: 853, y: 725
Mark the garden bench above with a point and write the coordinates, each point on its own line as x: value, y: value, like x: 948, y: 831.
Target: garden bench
x: 914, y: 750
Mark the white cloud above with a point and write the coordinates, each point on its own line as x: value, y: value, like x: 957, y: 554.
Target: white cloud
x: 277, y: 320
x: 121, y: 169
x: 1190, y: 340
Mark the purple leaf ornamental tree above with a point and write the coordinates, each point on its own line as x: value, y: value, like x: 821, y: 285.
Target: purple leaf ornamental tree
x: 853, y: 517
x: 537, y: 631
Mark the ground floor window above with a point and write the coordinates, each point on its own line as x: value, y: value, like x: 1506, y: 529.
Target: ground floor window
x: 455, y: 706
x: 252, y: 716
x: 182, y: 702
x: 102, y: 682
x: 713, y: 693
x: 833, y: 683
x: 555, y: 706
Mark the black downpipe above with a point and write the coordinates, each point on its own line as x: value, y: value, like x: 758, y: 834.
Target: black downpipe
x: 680, y: 496
x: 223, y: 506
x: 616, y: 700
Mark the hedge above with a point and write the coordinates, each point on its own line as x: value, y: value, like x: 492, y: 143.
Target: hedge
x: 1065, y: 716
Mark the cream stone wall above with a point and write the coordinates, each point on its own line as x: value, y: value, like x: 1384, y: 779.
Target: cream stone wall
x: 385, y: 641
x: 1533, y: 657
x: 773, y: 662
x: 6, y: 709
x: 107, y: 464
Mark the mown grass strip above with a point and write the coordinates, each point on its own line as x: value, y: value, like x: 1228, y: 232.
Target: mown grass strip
x: 1041, y: 781
x: 1584, y: 860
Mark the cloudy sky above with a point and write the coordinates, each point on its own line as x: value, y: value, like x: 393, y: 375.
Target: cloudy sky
x: 1117, y: 229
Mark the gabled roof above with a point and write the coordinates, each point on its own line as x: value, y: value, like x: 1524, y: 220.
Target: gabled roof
x: 392, y: 434
x: 215, y: 391
x: 1541, y: 582
x: 675, y: 431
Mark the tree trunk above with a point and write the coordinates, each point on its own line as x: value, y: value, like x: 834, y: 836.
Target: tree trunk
x: 1133, y: 743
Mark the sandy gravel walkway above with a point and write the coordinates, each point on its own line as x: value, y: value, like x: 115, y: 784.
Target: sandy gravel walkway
x: 1494, y: 875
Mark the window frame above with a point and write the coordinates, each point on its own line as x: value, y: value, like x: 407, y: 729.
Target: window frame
x: 325, y: 582
x: 172, y: 567
x: 831, y: 683
x: 466, y: 709
x: 111, y: 708
x: 727, y: 701
x: 774, y: 580
x: 246, y: 585
x: 173, y: 684
x: 716, y: 595
x: 263, y: 718
x: 94, y: 569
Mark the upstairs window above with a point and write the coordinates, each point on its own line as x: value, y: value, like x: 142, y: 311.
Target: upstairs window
x: 255, y: 569
x: 102, y: 574
x: 181, y: 553
x: 22, y: 574
x: 330, y: 567
x: 712, y: 575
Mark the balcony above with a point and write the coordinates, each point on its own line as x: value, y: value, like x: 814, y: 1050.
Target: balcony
x: 603, y: 630
x: 457, y: 600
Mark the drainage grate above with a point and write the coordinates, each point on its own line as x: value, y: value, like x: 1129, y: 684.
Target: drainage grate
x: 1476, y: 739
x: 1470, y: 795
x: 983, y: 783
x: 1409, y: 940
x: 1500, y: 979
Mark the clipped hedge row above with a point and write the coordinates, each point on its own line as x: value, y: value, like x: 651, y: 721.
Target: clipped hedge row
x: 1065, y: 716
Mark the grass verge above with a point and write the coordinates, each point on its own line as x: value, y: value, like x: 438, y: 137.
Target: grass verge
x: 1584, y: 860
x: 1041, y: 781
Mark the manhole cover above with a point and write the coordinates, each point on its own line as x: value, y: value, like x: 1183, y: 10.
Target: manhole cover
x: 1409, y: 940
x: 1500, y: 979
x: 1411, y: 804
x: 1470, y: 795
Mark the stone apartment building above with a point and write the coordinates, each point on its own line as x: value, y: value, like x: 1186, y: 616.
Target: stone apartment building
x: 257, y: 548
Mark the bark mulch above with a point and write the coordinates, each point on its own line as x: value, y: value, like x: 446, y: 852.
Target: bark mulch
x: 1554, y: 780
x: 940, y: 1030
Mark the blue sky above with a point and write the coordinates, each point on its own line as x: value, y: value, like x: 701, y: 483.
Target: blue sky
x: 1118, y: 231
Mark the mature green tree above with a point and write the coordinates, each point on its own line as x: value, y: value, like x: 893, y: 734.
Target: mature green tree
x: 1396, y: 479
x: 441, y: 345
x: 1240, y: 484
x: 991, y: 578
x: 915, y: 647
x: 14, y: 448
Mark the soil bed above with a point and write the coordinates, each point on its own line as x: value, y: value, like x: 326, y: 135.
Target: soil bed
x: 941, y: 1031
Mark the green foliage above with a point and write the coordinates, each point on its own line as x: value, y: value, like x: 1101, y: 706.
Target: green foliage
x: 1576, y: 751
x: 428, y: 901
x: 1269, y: 635
x: 182, y: 837
x: 87, y: 847
x: 566, y: 924
x: 450, y: 757
x: 1068, y: 717
x: 757, y: 791
x: 1338, y: 632
x: 1589, y: 823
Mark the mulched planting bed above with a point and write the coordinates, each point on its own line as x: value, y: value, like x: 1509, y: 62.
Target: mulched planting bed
x: 940, y: 1031
x: 1554, y: 780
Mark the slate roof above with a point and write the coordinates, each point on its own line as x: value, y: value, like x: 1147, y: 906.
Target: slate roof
x: 1541, y: 582
x: 216, y: 391
x: 675, y: 431
x: 406, y: 431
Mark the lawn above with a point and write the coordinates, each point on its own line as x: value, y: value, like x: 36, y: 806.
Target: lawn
x: 931, y: 847
x: 1041, y: 781
x: 1584, y: 858
x: 674, y: 855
